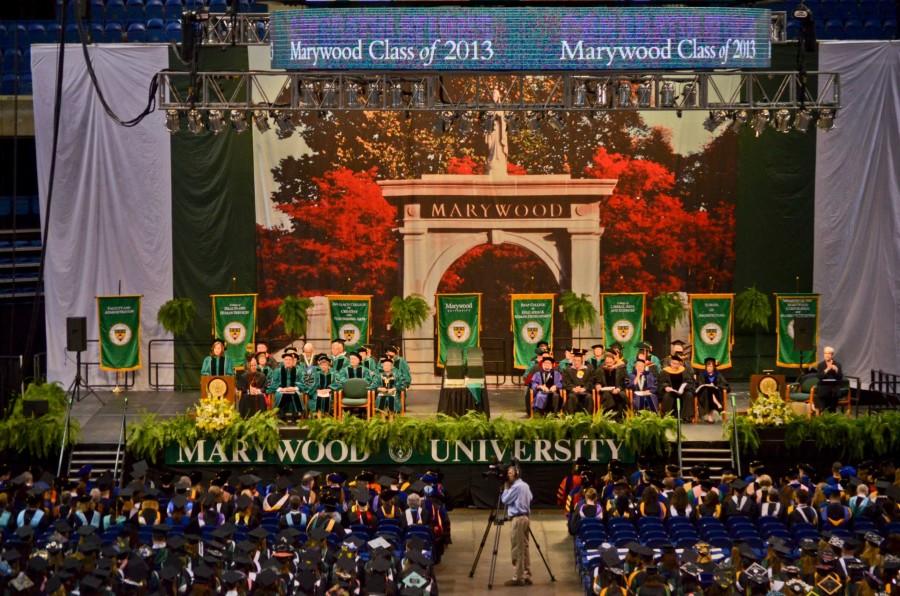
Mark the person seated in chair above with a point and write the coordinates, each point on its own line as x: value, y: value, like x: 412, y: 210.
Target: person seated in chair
x: 286, y: 382
x: 546, y: 385
x: 355, y: 368
x: 388, y: 385
x: 711, y: 390
x: 598, y: 356
x: 217, y: 363
x: 252, y: 383
x: 830, y: 374
x: 651, y: 362
x: 643, y: 386
x: 401, y: 366
x: 367, y: 360
x: 677, y: 383
x: 609, y: 380
x: 323, y: 384
x: 578, y: 381
x: 338, y: 356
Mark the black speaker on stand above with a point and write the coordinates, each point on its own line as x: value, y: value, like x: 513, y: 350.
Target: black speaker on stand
x: 804, y: 336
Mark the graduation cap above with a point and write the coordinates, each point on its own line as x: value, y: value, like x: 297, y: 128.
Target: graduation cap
x: 353, y: 543
x: 322, y: 358
x: 161, y: 529
x: 179, y: 501
x: 692, y: 569
x: 414, y: 579
x: 579, y: 352
x: 91, y: 582
x: 748, y: 553
x: 37, y: 564
x: 836, y: 542
x: 549, y: 359
x: 11, y: 555
x: 354, y: 354
x: 345, y: 567
x: 258, y: 533
x: 710, y: 360
x: 232, y: 576
x: 724, y: 576
x: 392, y: 348
x: 169, y: 571
x: 290, y: 534
x: 416, y: 487
x: 597, y: 346
x: 282, y: 483
x: 797, y: 586
x: 223, y: 532
x: 318, y: 533
x: 418, y: 557
x: 890, y: 563
x: 203, y: 572
x: 873, y: 538
x: 244, y: 501
x: 62, y: 526
x: 126, y: 492
x: 829, y: 584
x: 361, y: 494
x: 785, y: 552
x: 53, y: 584
x: 25, y: 533
x: 808, y: 545
x: 757, y: 574
x: 249, y: 480
x: 136, y: 570
x: 381, y: 564
x: 385, y: 359
x: 678, y: 342
x: 738, y: 484
x: 175, y: 542
x: 893, y: 493
x: 266, y: 578
x: 139, y: 469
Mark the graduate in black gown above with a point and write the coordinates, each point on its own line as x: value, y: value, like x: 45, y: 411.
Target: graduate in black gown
x: 578, y: 381
x: 711, y: 387
x: 675, y: 383
x: 609, y: 380
x: 252, y: 384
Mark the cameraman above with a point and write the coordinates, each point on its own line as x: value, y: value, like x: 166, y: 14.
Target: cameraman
x: 517, y: 498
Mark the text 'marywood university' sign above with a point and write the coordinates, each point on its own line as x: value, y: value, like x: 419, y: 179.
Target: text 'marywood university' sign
x: 557, y: 38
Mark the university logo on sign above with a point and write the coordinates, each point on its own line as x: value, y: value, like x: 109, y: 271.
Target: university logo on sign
x: 350, y: 333
x: 236, y: 332
x: 711, y: 334
x: 623, y: 330
x: 120, y: 334
x: 460, y: 331
x: 533, y: 332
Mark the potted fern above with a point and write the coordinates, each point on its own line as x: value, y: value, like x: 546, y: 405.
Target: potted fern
x: 177, y: 315
x: 578, y: 310
x: 294, y: 313
x: 408, y: 314
x: 666, y: 310
x: 751, y: 312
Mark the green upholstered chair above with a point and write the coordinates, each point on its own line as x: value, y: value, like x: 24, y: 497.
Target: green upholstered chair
x: 355, y: 394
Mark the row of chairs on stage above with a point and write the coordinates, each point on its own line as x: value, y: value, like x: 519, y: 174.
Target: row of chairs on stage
x: 632, y: 403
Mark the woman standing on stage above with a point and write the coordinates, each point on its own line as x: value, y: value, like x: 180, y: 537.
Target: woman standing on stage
x: 217, y: 363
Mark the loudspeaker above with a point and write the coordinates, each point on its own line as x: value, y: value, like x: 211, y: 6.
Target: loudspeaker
x: 805, y: 334
x: 76, y: 334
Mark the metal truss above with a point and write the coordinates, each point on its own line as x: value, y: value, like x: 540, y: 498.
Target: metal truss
x: 462, y: 92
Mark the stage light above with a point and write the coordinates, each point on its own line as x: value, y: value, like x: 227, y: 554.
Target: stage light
x: 759, y: 122
x: 418, y: 95
x: 285, y: 124
x: 487, y: 123
x: 262, y: 120
x: 554, y: 121
x: 216, y: 122
x: 308, y: 94
x: 623, y: 94
x: 353, y: 95
x: 826, y: 119
x: 782, y: 121
x: 329, y: 95
x: 601, y: 95
x: 396, y: 95
x: 802, y: 120
x: 689, y: 94
x: 667, y: 95
x: 195, y: 122
x: 715, y: 118
x: 580, y: 100
x: 173, y: 121
x: 238, y: 121
x: 373, y: 95
x: 740, y: 118
x: 645, y: 94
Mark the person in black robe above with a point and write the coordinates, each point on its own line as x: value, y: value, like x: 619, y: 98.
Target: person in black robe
x: 578, y: 381
x: 831, y: 376
x: 677, y: 382
x: 251, y: 384
x: 710, y: 390
x: 609, y: 380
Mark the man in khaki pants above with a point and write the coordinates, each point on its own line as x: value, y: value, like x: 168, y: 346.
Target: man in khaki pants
x: 517, y: 498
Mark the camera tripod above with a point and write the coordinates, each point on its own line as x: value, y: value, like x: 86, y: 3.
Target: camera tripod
x: 496, y: 519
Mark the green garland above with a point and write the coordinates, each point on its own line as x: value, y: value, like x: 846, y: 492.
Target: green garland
x: 38, y: 437
x: 870, y: 435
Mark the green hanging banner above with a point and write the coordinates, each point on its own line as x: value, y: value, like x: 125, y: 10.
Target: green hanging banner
x: 623, y: 321
x: 349, y: 320
x: 234, y: 320
x: 458, y: 322
x: 796, y: 312
x: 119, y: 330
x: 711, y: 328
x: 532, y: 321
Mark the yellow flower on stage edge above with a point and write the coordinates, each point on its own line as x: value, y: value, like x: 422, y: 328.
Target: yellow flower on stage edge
x: 770, y: 410
x: 215, y: 414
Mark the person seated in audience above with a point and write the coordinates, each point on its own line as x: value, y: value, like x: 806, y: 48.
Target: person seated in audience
x: 388, y: 386
x: 771, y: 506
x: 322, y: 386
x: 578, y: 381
x: 834, y: 514
x: 588, y: 508
x: 609, y: 382
x: 217, y: 363
x: 676, y: 384
x: 710, y: 506
x: 546, y: 387
x: 360, y: 513
x: 286, y: 382
x: 679, y: 505
x: 711, y: 387
x: 860, y: 503
x: 651, y: 505
x: 401, y: 366
x: 643, y: 387
x: 415, y: 515
x: 541, y: 349
x: 296, y: 514
x: 252, y: 384
x: 338, y: 356
x: 803, y: 512
x: 739, y: 503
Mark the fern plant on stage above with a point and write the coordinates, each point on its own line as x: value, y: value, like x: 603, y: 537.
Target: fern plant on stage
x: 666, y: 310
x: 408, y: 314
x: 42, y: 436
x: 177, y: 315
x: 294, y: 313
x: 578, y: 310
x: 751, y: 312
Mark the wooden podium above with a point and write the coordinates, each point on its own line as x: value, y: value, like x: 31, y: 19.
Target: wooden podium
x: 767, y: 382
x: 217, y: 386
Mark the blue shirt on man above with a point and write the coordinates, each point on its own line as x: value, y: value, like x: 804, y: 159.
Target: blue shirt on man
x: 517, y: 498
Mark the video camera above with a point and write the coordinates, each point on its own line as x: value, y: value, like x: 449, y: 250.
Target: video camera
x: 497, y: 469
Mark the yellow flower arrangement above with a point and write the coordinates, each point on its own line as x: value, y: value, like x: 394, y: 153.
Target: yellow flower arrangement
x: 770, y: 409
x: 215, y: 414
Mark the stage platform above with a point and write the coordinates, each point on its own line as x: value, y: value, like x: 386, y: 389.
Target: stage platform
x: 101, y: 422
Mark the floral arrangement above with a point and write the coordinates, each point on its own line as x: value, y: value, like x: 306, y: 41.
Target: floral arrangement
x: 770, y: 409
x: 214, y: 414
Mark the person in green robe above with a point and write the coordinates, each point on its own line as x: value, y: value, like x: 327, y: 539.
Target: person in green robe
x: 368, y: 362
x: 566, y: 362
x: 338, y: 355
x: 645, y: 350
x: 388, y: 387
x: 286, y: 382
x: 355, y: 369
x: 324, y: 383
x: 598, y: 356
x: 401, y: 366
x: 217, y: 363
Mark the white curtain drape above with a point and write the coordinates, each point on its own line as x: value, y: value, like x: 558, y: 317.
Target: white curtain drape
x: 111, y: 216
x: 857, y: 218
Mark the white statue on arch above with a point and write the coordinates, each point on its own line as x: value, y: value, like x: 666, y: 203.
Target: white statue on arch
x: 497, y: 142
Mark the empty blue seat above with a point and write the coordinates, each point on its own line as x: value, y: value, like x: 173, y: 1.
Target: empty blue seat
x: 834, y: 29
x: 155, y: 30
x: 155, y: 9
x: 134, y: 11
x: 137, y: 32
x: 218, y: 5
x: 112, y: 33
x: 889, y: 29
x: 174, y: 8
x: 872, y: 29
x: 853, y: 29
x: 97, y: 11
x: 115, y: 10
x: 4, y: 37
x: 12, y: 60
x: 72, y: 35
x: 37, y: 33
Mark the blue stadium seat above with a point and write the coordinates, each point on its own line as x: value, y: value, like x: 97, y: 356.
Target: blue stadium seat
x: 155, y: 30
x: 37, y: 33
x: 137, y: 32
x: 112, y: 33
x: 4, y: 37
x: 134, y: 11
x: 53, y: 32
x: 853, y: 29
x: 115, y: 10
x: 8, y: 85
x: 155, y: 9
x: 12, y: 60
x: 847, y: 9
x: 18, y: 36
x: 834, y: 29
x: 259, y: 7
x: 872, y: 29
x: 72, y: 35
x: 218, y: 5
x: 244, y: 6
x: 173, y: 32
x: 174, y: 8
x: 889, y: 29
x: 193, y: 4
x: 97, y: 33
x: 97, y: 11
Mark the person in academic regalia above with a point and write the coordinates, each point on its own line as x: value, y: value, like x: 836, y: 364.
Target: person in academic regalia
x: 338, y: 355
x: 598, y: 357
x: 388, y: 385
x: 217, y: 363
x: 830, y: 374
x: 739, y: 503
x: 368, y: 362
x: 401, y: 366
x: 578, y: 381
x: 355, y: 369
x: 711, y: 389
x: 252, y: 384
x: 676, y: 349
x: 677, y: 383
x: 269, y: 361
x: 566, y: 362
x: 547, y: 386
x: 643, y: 386
x: 286, y: 382
x: 324, y: 383
x: 651, y: 362
x: 307, y: 360
x: 609, y: 381
x: 541, y: 349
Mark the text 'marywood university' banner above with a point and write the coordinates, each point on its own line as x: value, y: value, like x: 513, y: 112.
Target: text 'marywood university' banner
x: 623, y: 321
x: 458, y: 322
x: 349, y: 319
x: 711, y: 328
x: 532, y: 321
x: 533, y: 38
x: 234, y: 320
x: 788, y: 308
x: 119, y: 330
